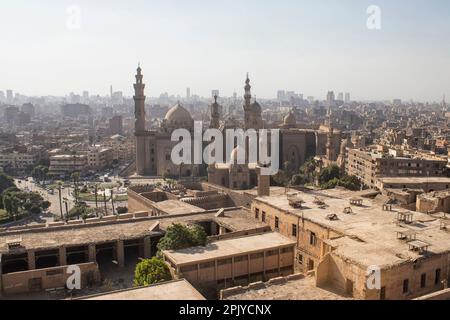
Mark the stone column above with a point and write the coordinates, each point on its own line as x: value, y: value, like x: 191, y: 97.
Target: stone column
x: 279, y: 262
x: 1, y: 284
x: 31, y: 259
x: 120, y: 253
x: 147, y: 247
x: 92, y: 253
x: 62, y: 256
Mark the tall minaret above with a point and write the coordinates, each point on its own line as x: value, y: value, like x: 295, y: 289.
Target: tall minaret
x: 139, y: 102
x: 139, y: 129
x: 331, y: 153
x: 215, y: 114
x: 247, y: 103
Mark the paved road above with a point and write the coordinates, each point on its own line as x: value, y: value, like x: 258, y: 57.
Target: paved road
x: 54, y: 209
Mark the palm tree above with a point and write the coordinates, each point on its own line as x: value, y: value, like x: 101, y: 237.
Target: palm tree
x: 60, y: 200
x: 76, y: 177
x: 104, y: 201
x: 96, y: 199
x: 112, y: 201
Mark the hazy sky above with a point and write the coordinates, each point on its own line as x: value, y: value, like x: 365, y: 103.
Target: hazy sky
x: 305, y: 46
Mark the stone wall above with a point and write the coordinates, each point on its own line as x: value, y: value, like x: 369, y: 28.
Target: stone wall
x: 226, y: 293
x: 44, y: 279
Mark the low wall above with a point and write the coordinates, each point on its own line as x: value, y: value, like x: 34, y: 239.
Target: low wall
x: 439, y: 295
x: 237, y: 198
x: 238, y: 234
x: 226, y: 293
x: 44, y: 279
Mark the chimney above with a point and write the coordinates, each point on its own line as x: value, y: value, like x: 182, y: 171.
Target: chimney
x: 263, y: 183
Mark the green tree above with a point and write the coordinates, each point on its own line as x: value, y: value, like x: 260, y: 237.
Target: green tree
x: 178, y: 236
x: 348, y: 182
x: 76, y: 178
x: 329, y: 173
x: 19, y: 202
x: 6, y: 182
x: 151, y: 271
x: 122, y: 210
x: 40, y: 173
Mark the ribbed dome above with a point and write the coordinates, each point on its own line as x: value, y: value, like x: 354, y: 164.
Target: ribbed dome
x: 234, y: 154
x: 256, y: 106
x: 289, y: 119
x: 178, y: 114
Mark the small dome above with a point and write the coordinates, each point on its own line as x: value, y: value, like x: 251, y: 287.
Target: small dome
x: 178, y: 115
x: 256, y: 106
x: 290, y: 120
x: 234, y: 154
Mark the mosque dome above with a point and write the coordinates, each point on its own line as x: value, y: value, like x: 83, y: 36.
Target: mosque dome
x: 256, y: 106
x: 178, y: 115
x: 234, y: 154
x: 289, y: 119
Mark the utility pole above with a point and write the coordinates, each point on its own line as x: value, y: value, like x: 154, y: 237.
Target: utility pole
x: 96, y: 199
x: 112, y: 201
x: 104, y: 201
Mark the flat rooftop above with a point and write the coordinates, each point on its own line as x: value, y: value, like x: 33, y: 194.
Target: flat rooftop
x: 229, y: 248
x: 235, y: 219
x: 172, y: 290
x: 368, y: 236
x: 303, y: 289
x: 413, y: 180
x: 174, y: 207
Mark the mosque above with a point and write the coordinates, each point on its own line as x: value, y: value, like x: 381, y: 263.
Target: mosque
x: 296, y: 145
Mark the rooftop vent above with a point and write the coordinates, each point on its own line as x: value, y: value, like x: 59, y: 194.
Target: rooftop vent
x: 348, y: 210
x: 319, y: 201
x: 14, y: 243
x: 418, y: 246
x: 407, y: 235
x: 356, y: 202
x: 332, y: 217
x: 295, y: 200
x: 405, y: 217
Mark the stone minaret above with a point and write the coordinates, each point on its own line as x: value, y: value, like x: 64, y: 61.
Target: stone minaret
x: 215, y: 114
x: 331, y: 153
x: 139, y: 129
x: 263, y: 183
x: 247, y: 103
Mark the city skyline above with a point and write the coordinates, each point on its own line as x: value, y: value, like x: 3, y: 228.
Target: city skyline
x: 292, y: 45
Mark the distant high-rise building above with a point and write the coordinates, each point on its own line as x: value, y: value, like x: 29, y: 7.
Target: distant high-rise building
x: 75, y: 110
x: 290, y: 95
x: 330, y: 97
x: 9, y: 96
x: 341, y: 96
x: 347, y: 97
x: 188, y: 93
x: 397, y: 102
x: 29, y: 109
x: 2, y: 96
x: 116, y: 125
x: 85, y: 97
x: 310, y: 99
x: 281, y: 95
x: 11, y: 114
